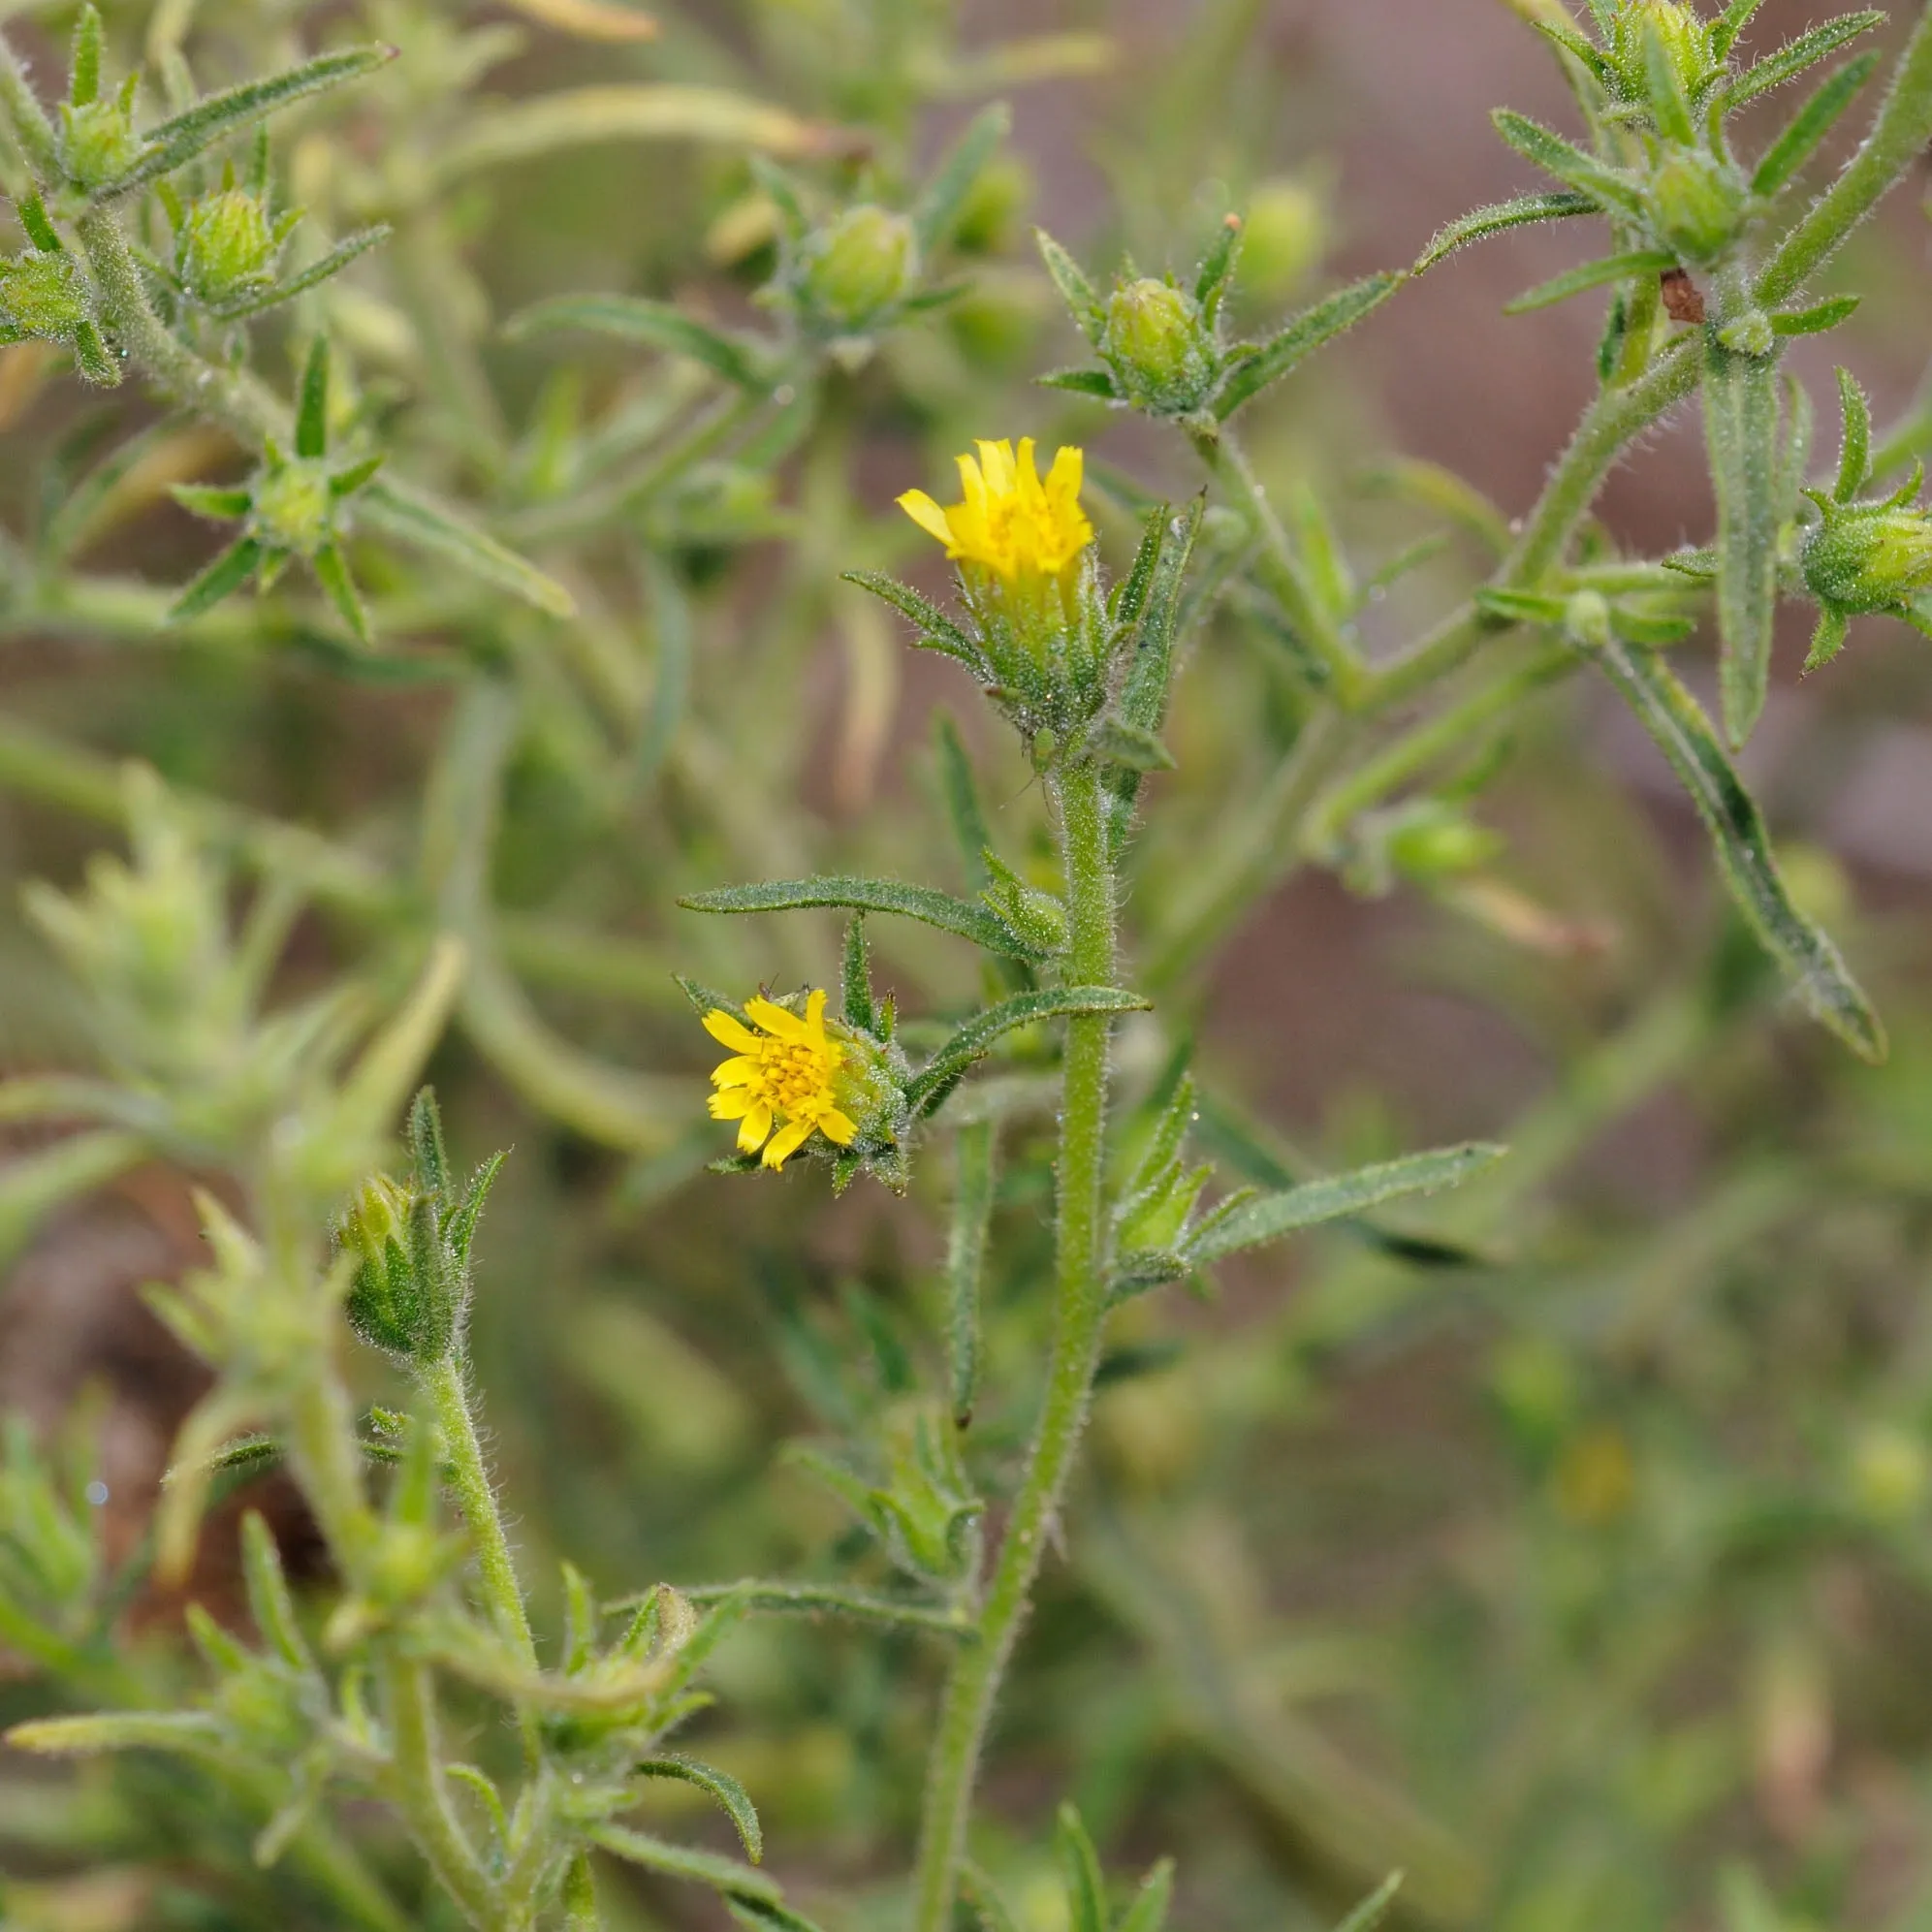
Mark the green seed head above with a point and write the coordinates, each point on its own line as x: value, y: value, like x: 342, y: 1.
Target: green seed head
x: 294, y: 507
x: 98, y: 142
x: 1868, y: 558
x: 1696, y: 203
x: 227, y: 245
x: 1157, y: 345
x: 42, y: 295
x: 861, y: 267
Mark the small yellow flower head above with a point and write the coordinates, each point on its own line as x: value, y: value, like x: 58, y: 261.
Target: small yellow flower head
x: 784, y: 1078
x: 1013, y: 524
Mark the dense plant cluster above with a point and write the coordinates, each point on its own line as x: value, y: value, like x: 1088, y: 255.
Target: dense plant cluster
x: 452, y: 789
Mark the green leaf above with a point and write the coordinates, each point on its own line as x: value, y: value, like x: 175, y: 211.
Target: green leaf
x: 1568, y: 162
x: 311, y: 423
x: 1149, y: 1911
x: 937, y: 630
x: 411, y: 516
x: 1131, y: 746
x: 40, y: 229
x: 85, y: 62
x: 1096, y: 383
x: 313, y: 277
x: 831, y: 1599
x: 1791, y: 59
x: 1684, y: 735
x: 1819, y: 318
x: 937, y: 211
x: 974, y: 1040
x: 656, y: 325
x: 1592, y: 275
x: 1726, y: 30
x: 767, y: 1914
x: 1075, y: 290
x: 1809, y: 125
x: 1855, y: 450
x: 1152, y: 601
x: 1308, y: 331
x: 1080, y: 1874
x: 194, y: 1732
x: 1741, y: 431
x: 1500, y: 217
x: 1217, y: 270
x: 722, y: 1786
x: 1274, y: 1216
x: 175, y: 142
x: 1566, y: 39
x: 1666, y: 94
x: 218, y: 505
x: 227, y: 574
x: 1370, y: 1913
x: 268, y: 1599
x: 681, y: 1861
x: 973, y: 1188
x: 911, y: 902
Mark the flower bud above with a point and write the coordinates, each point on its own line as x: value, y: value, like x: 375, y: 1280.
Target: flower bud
x: 405, y: 1298
x: 861, y: 267
x: 1686, y: 40
x: 98, y: 142
x: 294, y: 507
x: 42, y: 295
x: 1696, y: 203
x: 1868, y: 557
x: 1586, y: 617
x: 1284, y: 234
x: 225, y: 244
x: 1157, y: 343
x: 1435, y: 840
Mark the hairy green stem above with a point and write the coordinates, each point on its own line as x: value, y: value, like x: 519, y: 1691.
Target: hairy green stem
x: 1080, y: 1315
x: 475, y: 1497
x: 420, y: 1795
x: 32, y: 128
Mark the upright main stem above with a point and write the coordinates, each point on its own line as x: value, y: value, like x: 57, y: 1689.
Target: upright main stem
x: 1080, y: 1313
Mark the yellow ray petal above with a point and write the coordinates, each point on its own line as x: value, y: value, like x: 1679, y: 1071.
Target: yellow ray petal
x: 732, y: 1104
x: 928, y: 514
x: 787, y: 1142
x: 835, y: 1126
x: 722, y: 1028
x: 739, y: 1072
x: 776, y: 1019
x: 752, y: 1129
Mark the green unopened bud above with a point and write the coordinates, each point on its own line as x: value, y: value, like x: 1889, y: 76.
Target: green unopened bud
x: 864, y: 264
x: 42, y: 295
x: 1696, y: 203
x: 98, y: 143
x: 226, y: 245
x: 1435, y: 840
x: 294, y: 507
x: 1157, y: 345
x: 1686, y: 41
x: 993, y: 206
x: 1586, y: 617
x: 1285, y: 234
x: 407, y: 1298
x: 1868, y: 558
x: 1890, y: 1476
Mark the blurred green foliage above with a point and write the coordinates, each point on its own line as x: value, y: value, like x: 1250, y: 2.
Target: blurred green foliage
x: 1561, y: 1541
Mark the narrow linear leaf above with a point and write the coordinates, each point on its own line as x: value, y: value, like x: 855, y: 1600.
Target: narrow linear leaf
x: 318, y: 271
x: 1592, y: 275
x: 1733, y: 23
x: 1854, y: 453
x: 405, y: 513
x: 226, y: 575
x: 175, y: 142
x: 656, y: 325
x: 1097, y: 383
x: 1075, y: 290
x: 1568, y: 162
x: 767, y: 1914
x: 1151, y: 1902
x: 939, y: 208
x: 1274, y: 1216
x: 966, y: 1262
x: 1568, y: 40
x: 937, y: 630
x: 1308, y: 331
x: 974, y: 1040
x: 1500, y: 217
x: 911, y: 902
x: 681, y: 1861
x: 1684, y: 735
x: 1817, y: 320
x: 831, y: 1599
x: 1741, y: 433
x: 1370, y: 1913
x: 191, y: 1731
x: 1791, y: 59
x: 1809, y: 125
x: 720, y: 1784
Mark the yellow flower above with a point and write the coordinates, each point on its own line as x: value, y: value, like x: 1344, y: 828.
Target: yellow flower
x: 1011, y: 523
x: 783, y: 1077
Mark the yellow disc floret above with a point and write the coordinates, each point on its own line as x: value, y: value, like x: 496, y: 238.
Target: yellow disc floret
x: 1011, y: 523
x: 784, y: 1078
